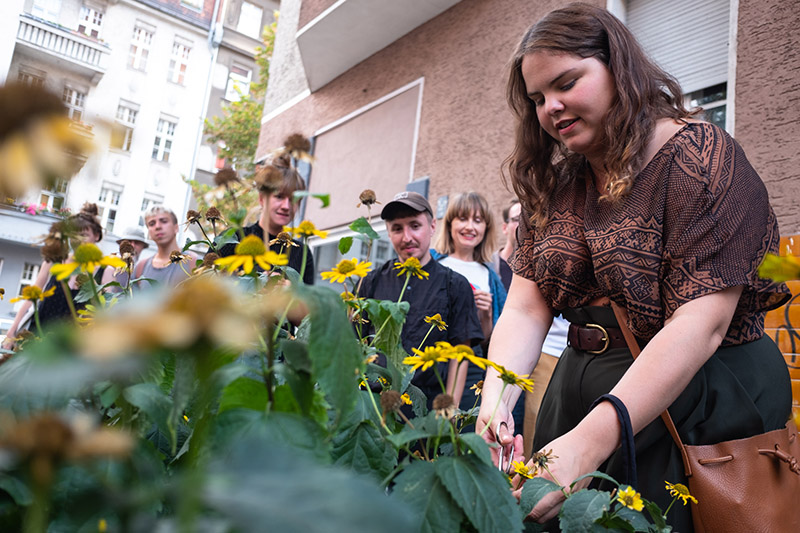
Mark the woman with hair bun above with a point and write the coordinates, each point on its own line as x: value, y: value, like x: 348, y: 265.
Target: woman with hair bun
x: 87, y: 229
x: 627, y: 197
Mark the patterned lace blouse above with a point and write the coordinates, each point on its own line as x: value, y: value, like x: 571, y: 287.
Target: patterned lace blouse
x: 696, y: 221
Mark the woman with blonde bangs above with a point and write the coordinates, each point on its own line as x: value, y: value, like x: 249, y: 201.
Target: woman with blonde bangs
x: 464, y: 244
x: 626, y: 197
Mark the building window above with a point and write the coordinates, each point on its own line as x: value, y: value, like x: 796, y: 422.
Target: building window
x: 122, y: 130
x: 90, y: 21
x: 74, y: 101
x: 107, y: 204
x: 239, y: 78
x: 165, y: 133
x: 250, y: 20
x: 140, y: 48
x: 54, y: 196
x: 178, y: 62
x: 713, y: 100
x: 194, y: 4
x: 29, y: 273
x: 149, y: 201
x: 46, y: 9
x: 31, y: 79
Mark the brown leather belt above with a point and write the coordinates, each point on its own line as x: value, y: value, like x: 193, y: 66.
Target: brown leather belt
x: 594, y: 338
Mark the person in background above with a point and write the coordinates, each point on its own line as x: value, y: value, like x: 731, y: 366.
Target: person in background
x: 464, y: 244
x: 56, y: 307
x: 169, y: 266
x: 410, y: 224
x: 134, y: 235
x: 501, y: 257
x: 276, y: 186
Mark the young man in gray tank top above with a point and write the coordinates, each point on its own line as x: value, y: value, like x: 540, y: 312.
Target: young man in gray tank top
x: 162, y: 226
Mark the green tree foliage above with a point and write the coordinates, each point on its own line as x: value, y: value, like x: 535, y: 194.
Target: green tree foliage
x: 240, y: 123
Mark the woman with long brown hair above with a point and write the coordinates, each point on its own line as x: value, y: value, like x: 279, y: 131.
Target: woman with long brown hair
x: 627, y: 197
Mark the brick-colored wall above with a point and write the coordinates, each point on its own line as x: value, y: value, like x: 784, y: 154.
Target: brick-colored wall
x: 466, y: 128
x: 768, y: 100
x: 312, y: 8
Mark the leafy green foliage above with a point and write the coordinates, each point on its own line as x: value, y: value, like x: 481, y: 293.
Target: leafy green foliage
x: 434, y: 508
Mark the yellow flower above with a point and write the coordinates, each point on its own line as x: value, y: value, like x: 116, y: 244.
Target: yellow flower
x: 630, y: 499
x: 2, y: 293
x: 406, y: 398
x: 511, y: 378
x: 87, y: 258
x: 678, y: 490
x: 102, y: 525
x: 779, y: 268
x: 383, y: 381
x: 33, y: 293
x: 478, y: 388
x: 346, y: 269
x: 307, y: 229
x: 410, y: 266
x: 522, y: 469
x: 437, y: 321
x: 462, y: 351
x: 425, y: 359
x: 248, y: 252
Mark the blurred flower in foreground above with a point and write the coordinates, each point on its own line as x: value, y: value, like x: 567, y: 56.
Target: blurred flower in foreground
x: 38, y: 142
x: 204, y: 307
x: 306, y: 229
x: 249, y: 252
x: 779, y: 268
x: 33, y: 293
x: 47, y: 439
x: 87, y: 258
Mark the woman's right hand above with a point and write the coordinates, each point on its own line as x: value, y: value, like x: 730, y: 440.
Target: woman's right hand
x: 501, y: 431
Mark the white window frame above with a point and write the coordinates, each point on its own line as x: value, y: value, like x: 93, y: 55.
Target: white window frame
x: 90, y: 21
x: 249, y: 15
x: 141, y: 41
x: 54, y: 197
x: 108, y: 201
x: 30, y: 271
x: 179, y: 61
x: 46, y: 9
x: 193, y: 4
x: 124, y: 124
x: 31, y: 78
x: 237, y: 80
x: 165, y: 136
x: 149, y: 201
x: 75, y: 100
x: 709, y: 105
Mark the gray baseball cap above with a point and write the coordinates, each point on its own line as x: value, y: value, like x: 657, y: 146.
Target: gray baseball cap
x: 133, y: 234
x: 414, y: 200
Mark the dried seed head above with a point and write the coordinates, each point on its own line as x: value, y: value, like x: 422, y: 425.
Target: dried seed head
x: 367, y: 198
x: 208, y: 260
x: 193, y: 216
x: 269, y: 178
x: 126, y: 249
x: 54, y: 250
x: 391, y: 401
x: 225, y: 176
x: 444, y: 405
x: 213, y: 214
x: 297, y: 143
x: 175, y: 256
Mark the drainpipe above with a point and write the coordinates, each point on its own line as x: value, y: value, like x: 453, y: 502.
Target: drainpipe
x: 213, y: 41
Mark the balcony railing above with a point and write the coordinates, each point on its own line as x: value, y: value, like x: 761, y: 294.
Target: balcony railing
x: 62, y: 43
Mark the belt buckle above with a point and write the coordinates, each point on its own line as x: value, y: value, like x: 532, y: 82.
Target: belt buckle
x: 605, y: 338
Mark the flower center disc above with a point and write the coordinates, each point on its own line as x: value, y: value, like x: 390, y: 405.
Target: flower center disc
x: 87, y: 253
x: 251, y: 245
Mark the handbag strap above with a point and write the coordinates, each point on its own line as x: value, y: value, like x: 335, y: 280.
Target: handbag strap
x: 628, y: 447
x: 622, y: 319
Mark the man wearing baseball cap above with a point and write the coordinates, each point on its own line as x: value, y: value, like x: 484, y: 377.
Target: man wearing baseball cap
x: 135, y: 236
x: 411, y: 225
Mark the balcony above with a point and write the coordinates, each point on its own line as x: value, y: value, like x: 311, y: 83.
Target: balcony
x: 349, y: 31
x: 56, y: 45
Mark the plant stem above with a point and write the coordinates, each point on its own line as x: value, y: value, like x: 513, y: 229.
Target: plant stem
x: 403, y: 290
x: 378, y: 411
x: 439, y: 377
x: 494, y: 412
x: 305, y: 258
x: 209, y: 241
x: 36, y: 319
x: 421, y: 344
x: 68, y: 297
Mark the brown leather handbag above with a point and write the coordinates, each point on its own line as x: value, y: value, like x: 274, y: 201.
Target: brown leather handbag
x: 750, y: 484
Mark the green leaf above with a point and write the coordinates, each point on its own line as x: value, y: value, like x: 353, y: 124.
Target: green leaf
x: 333, y: 348
x: 16, y: 489
x: 387, y: 319
x: 244, y: 393
x: 657, y: 515
x: 324, y: 198
x: 344, y: 244
x: 581, y: 509
x: 362, y: 225
x: 407, y: 435
x: 188, y: 244
x: 481, y: 491
x: 614, y: 522
x: 227, y: 236
x: 478, y: 446
x: 534, y: 490
x: 85, y: 293
x: 434, y: 508
x: 636, y: 519
x: 596, y: 474
x: 296, y: 355
x: 156, y: 405
x: 364, y: 451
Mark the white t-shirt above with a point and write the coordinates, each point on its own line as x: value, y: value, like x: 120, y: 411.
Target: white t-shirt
x: 556, y: 339
x: 476, y: 273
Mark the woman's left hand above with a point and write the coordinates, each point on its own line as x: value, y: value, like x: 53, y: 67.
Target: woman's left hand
x: 483, y: 300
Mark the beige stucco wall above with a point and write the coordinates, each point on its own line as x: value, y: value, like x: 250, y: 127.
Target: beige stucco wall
x: 768, y: 100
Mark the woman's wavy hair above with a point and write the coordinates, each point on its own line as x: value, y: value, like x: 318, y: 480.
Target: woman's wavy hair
x: 87, y: 217
x: 463, y: 205
x: 644, y: 94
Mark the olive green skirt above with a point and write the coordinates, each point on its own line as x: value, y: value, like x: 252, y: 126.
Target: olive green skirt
x: 741, y: 391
